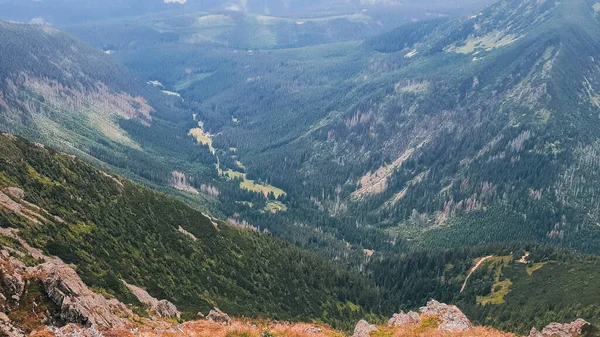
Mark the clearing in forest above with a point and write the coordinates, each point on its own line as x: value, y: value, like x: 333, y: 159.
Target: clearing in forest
x: 500, y: 288
x: 252, y: 185
x: 202, y: 137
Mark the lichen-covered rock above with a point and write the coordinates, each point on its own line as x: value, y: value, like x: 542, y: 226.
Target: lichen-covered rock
x: 162, y: 308
x: 218, y: 316
x: 78, y: 304
x: 70, y: 298
x: 16, y: 193
x: 410, y: 318
x: 12, y: 286
x: 363, y: 329
x: 167, y: 309
x: 71, y: 330
x: 452, y: 319
x: 561, y: 330
x: 7, y: 329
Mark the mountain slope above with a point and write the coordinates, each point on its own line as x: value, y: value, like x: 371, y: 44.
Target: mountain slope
x: 113, y: 230
x: 56, y: 90
x: 483, y: 127
x: 511, y: 287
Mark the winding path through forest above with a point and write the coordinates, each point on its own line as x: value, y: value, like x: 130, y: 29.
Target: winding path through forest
x: 475, y: 267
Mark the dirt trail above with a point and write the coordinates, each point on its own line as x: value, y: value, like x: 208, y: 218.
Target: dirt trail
x: 482, y: 260
x: 524, y: 258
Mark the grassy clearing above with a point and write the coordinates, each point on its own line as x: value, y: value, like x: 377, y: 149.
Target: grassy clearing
x: 251, y: 185
x: 487, y: 42
x: 534, y: 267
x: 500, y: 288
x: 202, y: 137
x: 187, y: 81
x: 275, y: 207
x: 212, y: 20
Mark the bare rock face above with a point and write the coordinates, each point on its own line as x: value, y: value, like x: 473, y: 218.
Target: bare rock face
x: 78, y: 304
x: 71, y: 330
x: 16, y: 193
x: 163, y: 308
x: 12, y: 284
x: 167, y: 309
x: 7, y: 329
x: 363, y: 329
x: 218, y: 316
x: 74, y: 302
x: 560, y: 330
x: 12, y: 287
x: 410, y: 318
x: 452, y: 318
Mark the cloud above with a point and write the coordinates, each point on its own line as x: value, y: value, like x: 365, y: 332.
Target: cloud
x: 175, y: 1
x: 38, y: 21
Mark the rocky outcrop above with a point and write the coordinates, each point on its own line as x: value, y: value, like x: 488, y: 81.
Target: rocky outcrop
x: 78, y: 304
x: 452, y: 319
x: 184, y: 232
x: 167, y: 309
x: 162, y: 308
x: 12, y: 286
x: 561, y: 330
x: 218, y: 316
x: 16, y: 193
x: 363, y: 329
x: 410, y: 318
x: 71, y: 330
x: 7, y: 329
x: 64, y: 288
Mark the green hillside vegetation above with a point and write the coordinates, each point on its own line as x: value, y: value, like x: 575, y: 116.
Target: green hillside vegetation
x: 553, y: 285
x: 497, y: 111
x: 111, y: 229
x: 101, y: 115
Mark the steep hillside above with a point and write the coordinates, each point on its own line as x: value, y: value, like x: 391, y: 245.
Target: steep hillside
x: 510, y: 286
x: 120, y: 237
x: 483, y: 127
x: 113, y: 230
x: 59, y: 91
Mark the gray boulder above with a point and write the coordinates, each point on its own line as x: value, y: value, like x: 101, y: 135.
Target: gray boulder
x: 410, y: 318
x: 452, y: 318
x: 167, y: 309
x: 561, y: 330
x: 363, y: 329
x: 218, y: 316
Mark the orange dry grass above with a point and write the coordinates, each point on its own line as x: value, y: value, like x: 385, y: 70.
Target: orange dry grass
x: 254, y: 329
x: 417, y: 331
x: 207, y: 329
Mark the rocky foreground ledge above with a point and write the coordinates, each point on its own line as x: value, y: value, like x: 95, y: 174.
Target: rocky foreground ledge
x: 440, y: 319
